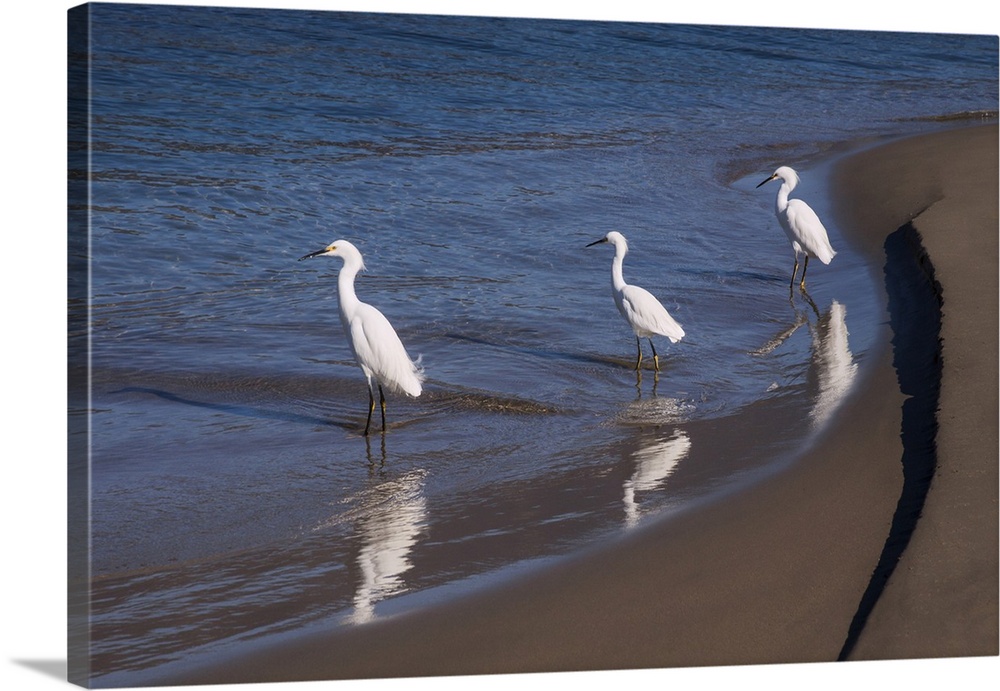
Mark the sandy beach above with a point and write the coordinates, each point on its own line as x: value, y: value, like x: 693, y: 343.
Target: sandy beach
x: 802, y: 566
x: 942, y: 598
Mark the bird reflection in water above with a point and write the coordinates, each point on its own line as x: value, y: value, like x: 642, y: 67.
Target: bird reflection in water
x: 371, y: 457
x: 832, y: 361
x: 801, y: 319
x: 654, y: 463
x: 394, y: 515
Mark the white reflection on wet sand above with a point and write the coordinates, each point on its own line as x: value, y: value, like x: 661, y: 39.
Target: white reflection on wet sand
x: 654, y: 464
x: 833, y: 362
x: 389, y: 530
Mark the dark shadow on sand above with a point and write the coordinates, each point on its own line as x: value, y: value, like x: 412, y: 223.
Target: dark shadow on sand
x: 915, y: 317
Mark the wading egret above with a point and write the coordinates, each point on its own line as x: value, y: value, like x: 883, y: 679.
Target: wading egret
x: 641, y: 310
x: 800, y: 223
x: 374, y: 342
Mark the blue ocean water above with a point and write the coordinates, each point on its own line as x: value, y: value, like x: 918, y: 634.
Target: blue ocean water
x: 471, y: 160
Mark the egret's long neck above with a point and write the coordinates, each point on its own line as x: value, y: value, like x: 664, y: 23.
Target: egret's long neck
x: 347, y: 298
x: 617, y: 279
x: 781, y: 201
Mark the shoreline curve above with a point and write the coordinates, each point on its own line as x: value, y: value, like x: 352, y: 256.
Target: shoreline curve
x: 774, y: 574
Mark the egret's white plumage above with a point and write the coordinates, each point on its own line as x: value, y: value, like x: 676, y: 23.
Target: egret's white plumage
x: 641, y: 310
x: 801, y: 224
x: 374, y: 343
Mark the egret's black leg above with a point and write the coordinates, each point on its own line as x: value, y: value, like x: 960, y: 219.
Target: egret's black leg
x: 638, y: 347
x: 802, y: 283
x: 381, y: 398
x: 795, y: 270
x: 371, y: 409
x: 656, y: 359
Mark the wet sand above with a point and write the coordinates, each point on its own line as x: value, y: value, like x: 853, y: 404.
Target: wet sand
x: 782, y: 571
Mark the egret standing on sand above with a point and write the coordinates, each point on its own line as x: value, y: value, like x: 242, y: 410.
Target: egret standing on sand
x: 641, y: 310
x: 800, y: 223
x: 373, y: 341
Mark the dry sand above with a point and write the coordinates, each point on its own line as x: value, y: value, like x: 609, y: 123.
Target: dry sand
x: 775, y: 573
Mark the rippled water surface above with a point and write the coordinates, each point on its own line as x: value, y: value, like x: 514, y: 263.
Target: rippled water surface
x: 470, y: 160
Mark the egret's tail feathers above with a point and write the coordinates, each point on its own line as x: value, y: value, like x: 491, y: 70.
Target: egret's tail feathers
x: 672, y: 330
x: 415, y: 385
x: 404, y: 376
x: 411, y: 382
x: 413, y: 388
x: 824, y: 250
x: 827, y: 254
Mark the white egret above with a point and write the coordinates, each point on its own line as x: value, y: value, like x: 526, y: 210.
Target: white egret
x: 641, y: 310
x: 800, y: 223
x: 374, y: 342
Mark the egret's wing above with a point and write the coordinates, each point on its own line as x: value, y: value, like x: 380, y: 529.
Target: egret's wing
x: 646, y: 315
x: 809, y: 231
x: 377, y: 347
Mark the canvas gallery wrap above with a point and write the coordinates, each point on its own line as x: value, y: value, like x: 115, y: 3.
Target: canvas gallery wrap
x: 410, y: 345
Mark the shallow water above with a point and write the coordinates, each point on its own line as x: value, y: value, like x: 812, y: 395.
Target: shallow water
x: 471, y: 161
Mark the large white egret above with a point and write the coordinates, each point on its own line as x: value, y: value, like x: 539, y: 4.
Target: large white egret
x: 374, y: 342
x: 800, y: 223
x: 641, y: 310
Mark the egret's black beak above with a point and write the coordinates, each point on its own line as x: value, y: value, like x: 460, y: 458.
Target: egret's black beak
x: 597, y: 242
x: 313, y: 254
x: 766, y: 181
